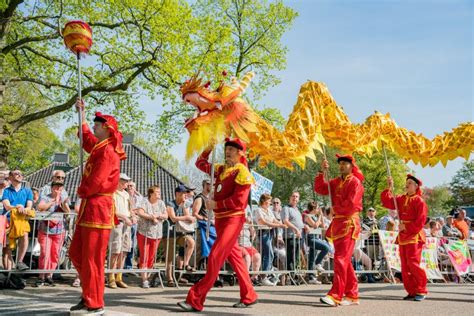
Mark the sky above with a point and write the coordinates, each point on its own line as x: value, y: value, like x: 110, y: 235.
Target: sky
x: 411, y: 58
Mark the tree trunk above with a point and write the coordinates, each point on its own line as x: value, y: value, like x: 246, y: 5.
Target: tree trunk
x: 5, y: 139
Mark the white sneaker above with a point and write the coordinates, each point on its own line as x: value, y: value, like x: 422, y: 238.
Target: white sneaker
x: 76, y: 283
x: 314, y: 281
x: 320, y: 268
x: 146, y: 284
x: 267, y: 282
x: 328, y: 300
x: 348, y: 302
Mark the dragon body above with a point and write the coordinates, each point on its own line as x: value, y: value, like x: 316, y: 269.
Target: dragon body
x: 316, y: 120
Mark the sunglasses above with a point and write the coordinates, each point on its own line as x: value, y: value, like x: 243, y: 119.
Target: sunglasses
x: 59, y: 177
x: 276, y: 203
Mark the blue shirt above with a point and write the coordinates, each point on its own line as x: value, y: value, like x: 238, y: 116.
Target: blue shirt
x: 20, y: 197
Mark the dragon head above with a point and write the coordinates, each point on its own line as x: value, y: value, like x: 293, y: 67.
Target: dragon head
x: 219, y: 113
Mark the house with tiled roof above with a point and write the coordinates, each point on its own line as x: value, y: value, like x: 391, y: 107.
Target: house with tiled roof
x: 139, y: 166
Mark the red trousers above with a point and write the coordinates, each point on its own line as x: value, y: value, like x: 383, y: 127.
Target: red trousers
x: 225, y: 247
x: 414, y: 277
x: 147, y: 248
x: 50, y: 245
x: 87, y: 253
x: 344, y: 282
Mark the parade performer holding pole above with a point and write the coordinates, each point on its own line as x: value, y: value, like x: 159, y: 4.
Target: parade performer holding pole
x: 96, y: 215
x: 232, y: 188
x: 346, y: 198
x: 412, y: 211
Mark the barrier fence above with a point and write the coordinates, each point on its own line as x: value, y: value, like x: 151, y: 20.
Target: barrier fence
x: 272, y: 255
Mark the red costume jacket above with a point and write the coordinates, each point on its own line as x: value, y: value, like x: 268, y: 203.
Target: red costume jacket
x: 99, y: 182
x: 346, y: 202
x: 412, y: 211
x: 232, y: 186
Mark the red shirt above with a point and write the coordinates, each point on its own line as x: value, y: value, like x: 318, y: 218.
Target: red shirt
x: 99, y: 182
x: 232, y: 186
x: 412, y: 211
x: 346, y: 198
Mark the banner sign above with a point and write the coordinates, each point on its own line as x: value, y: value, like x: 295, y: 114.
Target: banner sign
x: 429, y: 255
x: 262, y: 185
x: 458, y: 254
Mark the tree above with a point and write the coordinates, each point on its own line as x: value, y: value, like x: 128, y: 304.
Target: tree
x: 141, y: 47
x: 438, y: 199
x: 462, y: 185
x: 245, y: 35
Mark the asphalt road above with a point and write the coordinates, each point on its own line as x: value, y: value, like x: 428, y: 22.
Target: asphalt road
x: 376, y: 299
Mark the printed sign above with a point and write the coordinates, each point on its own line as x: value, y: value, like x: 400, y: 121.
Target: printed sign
x: 262, y: 185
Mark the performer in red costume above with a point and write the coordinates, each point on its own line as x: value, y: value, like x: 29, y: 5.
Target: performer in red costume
x: 96, y: 214
x: 232, y: 188
x: 346, y: 197
x: 412, y: 211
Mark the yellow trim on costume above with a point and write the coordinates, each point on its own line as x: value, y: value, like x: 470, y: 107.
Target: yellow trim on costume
x: 244, y: 176
x: 349, y: 224
x: 101, y: 144
x: 92, y: 225
x: 231, y: 213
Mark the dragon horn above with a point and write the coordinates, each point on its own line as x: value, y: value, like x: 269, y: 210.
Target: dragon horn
x: 246, y: 80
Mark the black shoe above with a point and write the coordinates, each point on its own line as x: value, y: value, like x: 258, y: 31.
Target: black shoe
x: 187, y: 307
x: 409, y: 298
x: 95, y: 311
x: 243, y: 305
x: 39, y: 283
x: 78, y: 306
x: 49, y: 282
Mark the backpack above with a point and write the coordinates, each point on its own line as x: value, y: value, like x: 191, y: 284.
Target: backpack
x: 11, y: 281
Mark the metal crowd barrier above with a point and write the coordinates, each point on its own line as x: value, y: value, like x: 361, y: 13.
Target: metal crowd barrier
x: 291, y: 255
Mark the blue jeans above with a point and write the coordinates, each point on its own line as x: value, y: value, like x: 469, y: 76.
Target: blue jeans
x: 314, y: 244
x: 266, y: 239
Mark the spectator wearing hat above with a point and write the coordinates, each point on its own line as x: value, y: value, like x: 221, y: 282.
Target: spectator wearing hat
x: 461, y: 224
x: 411, y: 237
x: 51, y: 231
x: 232, y: 189
x: 346, y: 197
x: 120, y: 240
x: 202, y: 215
x: 96, y: 215
x: 17, y: 199
x: 135, y: 199
x: 449, y: 230
x: 372, y: 242
x: 180, y: 232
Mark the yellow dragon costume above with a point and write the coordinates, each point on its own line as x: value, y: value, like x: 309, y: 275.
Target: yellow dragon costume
x: 316, y: 120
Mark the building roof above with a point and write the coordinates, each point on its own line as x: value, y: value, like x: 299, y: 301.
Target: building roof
x: 143, y: 170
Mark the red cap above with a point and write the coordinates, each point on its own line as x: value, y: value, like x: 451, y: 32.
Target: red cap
x: 111, y: 123
x: 240, y: 145
x: 417, y: 181
x: 237, y: 143
x: 355, y: 169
